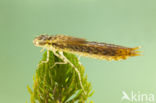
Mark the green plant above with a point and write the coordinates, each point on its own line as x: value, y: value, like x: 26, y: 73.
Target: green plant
x: 59, y: 84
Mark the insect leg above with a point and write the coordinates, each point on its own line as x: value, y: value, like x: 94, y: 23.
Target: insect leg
x: 61, y: 56
x: 42, y: 50
x: 78, y: 73
x: 79, y: 59
x: 64, y: 62
x: 47, y: 59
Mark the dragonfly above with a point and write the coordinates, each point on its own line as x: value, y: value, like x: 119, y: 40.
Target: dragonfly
x: 99, y: 50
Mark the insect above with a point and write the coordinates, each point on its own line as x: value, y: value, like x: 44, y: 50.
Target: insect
x: 63, y: 43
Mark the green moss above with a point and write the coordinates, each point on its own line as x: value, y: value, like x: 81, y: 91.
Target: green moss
x: 59, y: 84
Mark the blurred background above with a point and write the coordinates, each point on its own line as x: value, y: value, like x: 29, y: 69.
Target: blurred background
x: 125, y: 22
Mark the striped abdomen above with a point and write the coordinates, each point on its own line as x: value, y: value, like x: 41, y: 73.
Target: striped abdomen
x: 98, y: 50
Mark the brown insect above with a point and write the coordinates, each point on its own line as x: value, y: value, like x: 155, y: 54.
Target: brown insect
x: 85, y: 48
x: 63, y: 43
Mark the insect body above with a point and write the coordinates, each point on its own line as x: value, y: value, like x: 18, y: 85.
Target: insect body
x: 85, y: 48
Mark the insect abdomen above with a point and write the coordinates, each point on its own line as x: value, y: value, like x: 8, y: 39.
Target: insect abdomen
x: 106, y: 51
